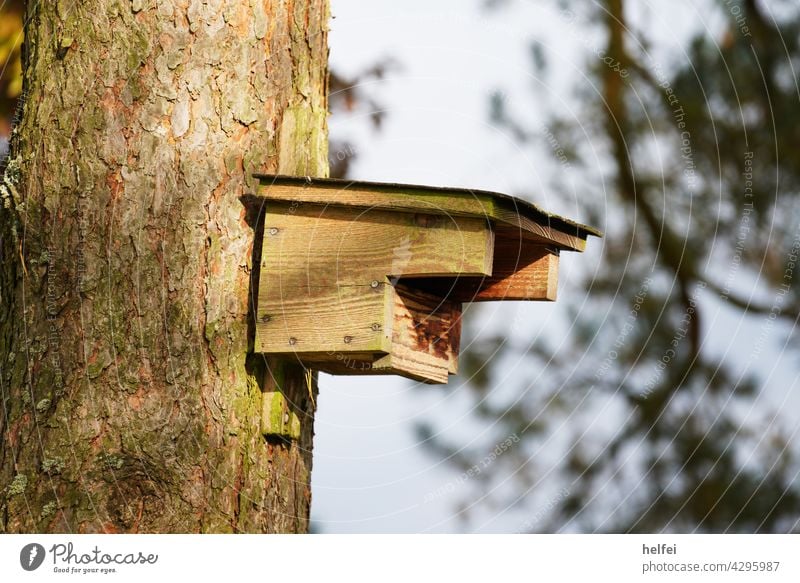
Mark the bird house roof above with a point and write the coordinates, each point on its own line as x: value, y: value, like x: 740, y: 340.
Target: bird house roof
x: 507, y: 213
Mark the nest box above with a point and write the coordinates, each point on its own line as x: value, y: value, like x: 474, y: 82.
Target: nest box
x: 370, y: 278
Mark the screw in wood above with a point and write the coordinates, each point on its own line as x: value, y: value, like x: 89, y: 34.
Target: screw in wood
x: 348, y: 339
x: 266, y: 318
x: 273, y: 230
x: 292, y: 341
x: 375, y: 327
x: 374, y: 283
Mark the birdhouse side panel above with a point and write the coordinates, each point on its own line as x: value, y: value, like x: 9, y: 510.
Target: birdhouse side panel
x: 426, y: 334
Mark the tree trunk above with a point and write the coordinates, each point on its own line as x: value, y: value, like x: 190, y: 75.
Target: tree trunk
x: 131, y: 398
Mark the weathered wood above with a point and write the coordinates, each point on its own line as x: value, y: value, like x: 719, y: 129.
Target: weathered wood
x: 424, y: 346
x: 357, y: 195
x: 425, y: 336
x: 327, y: 241
x: 325, y: 297
x: 361, y: 329
x: 520, y: 272
x: 324, y: 320
x: 548, y: 228
x: 314, y: 246
x: 569, y: 239
x: 277, y: 417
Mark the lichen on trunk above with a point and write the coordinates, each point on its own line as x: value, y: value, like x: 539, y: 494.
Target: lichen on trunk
x: 131, y: 398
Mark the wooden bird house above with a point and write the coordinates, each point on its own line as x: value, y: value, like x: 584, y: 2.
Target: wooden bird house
x: 370, y: 278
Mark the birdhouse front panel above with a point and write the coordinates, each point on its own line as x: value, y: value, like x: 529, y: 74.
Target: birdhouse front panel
x: 365, y: 278
x: 425, y: 339
x: 329, y: 292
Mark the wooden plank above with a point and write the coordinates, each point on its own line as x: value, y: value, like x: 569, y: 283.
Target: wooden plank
x: 339, y: 185
x: 419, y: 333
x: 407, y: 199
x: 569, y: 240
x: 425, y: 336
x: 343, y: 319
x: 277, y: 417
x: 347, y: 318
x: 521, y: 272
x: 343, y: 363
x: 551, y: 229
x: 321, y: 246
x: 454, y: 337
x: 354, y: 367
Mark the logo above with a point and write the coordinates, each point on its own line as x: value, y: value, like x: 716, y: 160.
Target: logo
x: 31, y: 556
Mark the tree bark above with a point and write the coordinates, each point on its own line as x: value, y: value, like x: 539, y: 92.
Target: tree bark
x: 131, y: 399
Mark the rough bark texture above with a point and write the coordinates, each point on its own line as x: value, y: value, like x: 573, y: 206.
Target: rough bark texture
x: 131, y: 401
